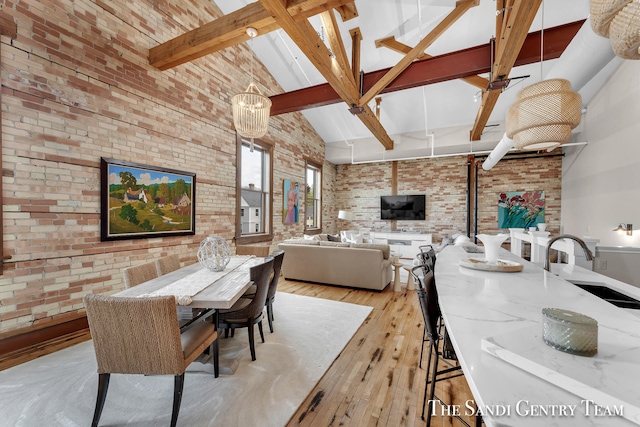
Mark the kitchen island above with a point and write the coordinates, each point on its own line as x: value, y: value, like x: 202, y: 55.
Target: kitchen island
x: 495, y: 323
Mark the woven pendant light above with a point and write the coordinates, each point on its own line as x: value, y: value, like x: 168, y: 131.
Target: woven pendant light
x: 624, y: 31
x: 251, y: 108
x: 543, y: 115
x: 619, y: 20
x: 602, y: 12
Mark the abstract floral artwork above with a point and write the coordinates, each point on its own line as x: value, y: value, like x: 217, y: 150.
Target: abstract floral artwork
x: 520, y: 209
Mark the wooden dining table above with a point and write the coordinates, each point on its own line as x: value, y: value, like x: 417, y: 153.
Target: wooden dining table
x: 221, y: 293
x: 224, y: 289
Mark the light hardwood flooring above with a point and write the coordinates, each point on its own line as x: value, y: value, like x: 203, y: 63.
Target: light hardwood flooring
x: 376, y: 380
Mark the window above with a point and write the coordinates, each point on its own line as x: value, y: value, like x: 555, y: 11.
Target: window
x: 313, y: 202
x: 254, y: 183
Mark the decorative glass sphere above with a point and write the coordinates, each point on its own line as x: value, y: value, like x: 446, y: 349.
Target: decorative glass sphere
x: 214, y: 253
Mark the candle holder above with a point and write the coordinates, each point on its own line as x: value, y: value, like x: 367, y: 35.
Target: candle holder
x: 568, y: 331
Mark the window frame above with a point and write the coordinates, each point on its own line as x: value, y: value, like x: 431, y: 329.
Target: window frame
x: 268, y: 222
x: 310, y: 164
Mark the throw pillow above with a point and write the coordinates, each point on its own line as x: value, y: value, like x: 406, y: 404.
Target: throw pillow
x: 354, y: 238
x: 332, y: 238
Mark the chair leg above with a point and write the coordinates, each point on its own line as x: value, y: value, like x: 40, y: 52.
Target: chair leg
x: 216, y: 359
x: 426, y: 378
x: 252, y: 346
x: 433, y: 386
x: 424, y: 336
x: 260, y: 329
x: 270, y: 315
x: 103, y: 386
x: 178, y: 384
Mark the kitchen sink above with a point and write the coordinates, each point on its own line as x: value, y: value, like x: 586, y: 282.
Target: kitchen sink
x: 610, y: 295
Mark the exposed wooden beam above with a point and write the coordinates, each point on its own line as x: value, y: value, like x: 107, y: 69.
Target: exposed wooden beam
x: 518, y: 17
x: 348, y: 11
x: 230, y: 30
x: 393, y: 44
x: 461, y: 7
x: 373, y: 124
x: 356, y: 40
x: 306, y: 38
x: 450, y: 66
x: 335, y: 41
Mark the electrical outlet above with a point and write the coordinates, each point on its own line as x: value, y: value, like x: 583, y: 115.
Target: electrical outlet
x: 602, y: 264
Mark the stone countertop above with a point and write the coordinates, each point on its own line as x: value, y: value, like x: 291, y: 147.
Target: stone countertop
x: 516, y: 371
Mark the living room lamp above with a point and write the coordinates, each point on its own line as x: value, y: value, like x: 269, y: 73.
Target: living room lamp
x: 346, y: 215
x: 251, y: 108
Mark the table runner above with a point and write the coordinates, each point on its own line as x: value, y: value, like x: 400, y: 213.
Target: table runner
x: 185, y: 288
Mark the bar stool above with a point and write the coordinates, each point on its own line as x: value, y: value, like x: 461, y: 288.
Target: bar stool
x: 428, y: 297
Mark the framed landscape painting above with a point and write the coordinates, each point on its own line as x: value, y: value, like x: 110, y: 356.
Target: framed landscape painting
x: 141, y: 201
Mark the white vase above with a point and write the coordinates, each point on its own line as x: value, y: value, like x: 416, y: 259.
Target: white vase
x: 492, y: 245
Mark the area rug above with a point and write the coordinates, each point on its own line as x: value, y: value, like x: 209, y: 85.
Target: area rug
x: 60, y: 389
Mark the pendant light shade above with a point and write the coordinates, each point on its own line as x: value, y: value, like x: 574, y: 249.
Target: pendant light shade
x: 251, y: 108
x: 543, y: 115
x: 619, y: 20
x: 624, y: 31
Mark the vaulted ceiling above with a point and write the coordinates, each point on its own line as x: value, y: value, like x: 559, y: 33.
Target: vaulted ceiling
x: 381, y: 79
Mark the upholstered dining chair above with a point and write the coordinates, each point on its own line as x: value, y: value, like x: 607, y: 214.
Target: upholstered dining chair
x: 142, y: 336
x: 167, y: 264
x: 278, y: 257
x: 246, y: 312
x: 138, y: 274
x: 259, y: 251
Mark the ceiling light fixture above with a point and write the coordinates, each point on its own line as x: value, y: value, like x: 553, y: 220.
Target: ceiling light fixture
x: 544, y: 115
x: 251, y: 108
x: 619, y: 20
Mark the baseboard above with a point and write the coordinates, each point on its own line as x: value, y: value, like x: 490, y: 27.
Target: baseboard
x: 33, y: 342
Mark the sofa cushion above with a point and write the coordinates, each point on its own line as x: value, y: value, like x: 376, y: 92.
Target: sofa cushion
x: 337, y: 244
x: 384, y: 248
x: 302, y: 242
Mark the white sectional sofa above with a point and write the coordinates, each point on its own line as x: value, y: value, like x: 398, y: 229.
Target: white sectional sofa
x: 355, y: 265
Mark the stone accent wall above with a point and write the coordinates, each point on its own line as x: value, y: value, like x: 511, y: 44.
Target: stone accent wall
x: 444, y: 181
x: 77, y: 86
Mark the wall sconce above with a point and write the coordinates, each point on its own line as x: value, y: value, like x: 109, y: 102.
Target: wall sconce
x: 628, y: 228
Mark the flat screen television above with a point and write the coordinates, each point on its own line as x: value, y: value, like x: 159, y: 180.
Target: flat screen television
x: 411, y: 207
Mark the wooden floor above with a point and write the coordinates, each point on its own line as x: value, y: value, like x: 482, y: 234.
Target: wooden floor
x: 376, y: 380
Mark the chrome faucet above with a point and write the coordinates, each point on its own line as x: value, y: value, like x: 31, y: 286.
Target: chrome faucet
x: 587, y: 253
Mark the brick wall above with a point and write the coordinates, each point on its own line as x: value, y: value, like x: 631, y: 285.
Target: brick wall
x: 77, y: 86
x: 444, y: 181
